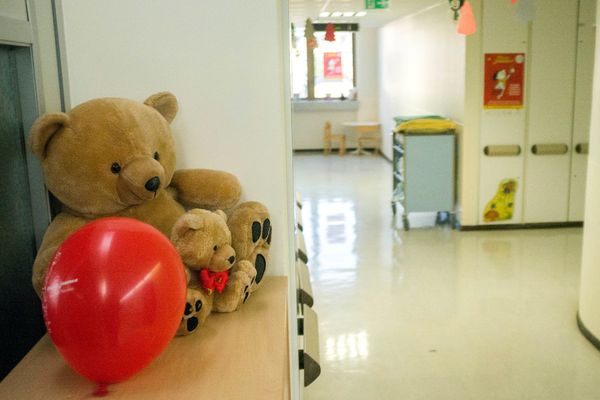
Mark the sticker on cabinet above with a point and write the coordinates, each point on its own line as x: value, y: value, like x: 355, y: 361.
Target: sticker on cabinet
x: 501, y: 207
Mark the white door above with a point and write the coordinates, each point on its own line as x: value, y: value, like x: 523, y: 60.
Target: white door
x: 550, y: 123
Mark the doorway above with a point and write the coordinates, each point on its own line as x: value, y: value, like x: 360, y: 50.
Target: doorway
x: 19, y: 305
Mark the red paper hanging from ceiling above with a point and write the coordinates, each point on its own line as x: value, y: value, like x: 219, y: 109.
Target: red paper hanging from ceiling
x: 330, y: 32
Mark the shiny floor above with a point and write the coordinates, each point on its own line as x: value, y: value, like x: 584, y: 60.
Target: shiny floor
x: 434, y: 313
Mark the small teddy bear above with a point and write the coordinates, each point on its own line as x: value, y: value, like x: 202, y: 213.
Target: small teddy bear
x: 203, y: 241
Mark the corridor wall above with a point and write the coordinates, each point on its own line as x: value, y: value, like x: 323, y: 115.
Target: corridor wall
x: 589, y: 300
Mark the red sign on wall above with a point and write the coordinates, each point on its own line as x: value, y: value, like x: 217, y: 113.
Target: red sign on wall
x: 504, y: 77
x: 332, y: 65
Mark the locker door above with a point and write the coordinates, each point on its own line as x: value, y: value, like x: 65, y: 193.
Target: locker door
x: 583, y: 106
x: 551, y: 92
x: 502, y: 33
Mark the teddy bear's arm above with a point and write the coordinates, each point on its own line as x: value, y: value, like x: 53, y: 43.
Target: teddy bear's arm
x: 206, y: 188
x: 60, y: 228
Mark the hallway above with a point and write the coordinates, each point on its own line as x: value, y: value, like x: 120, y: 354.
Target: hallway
x: 434, y: 313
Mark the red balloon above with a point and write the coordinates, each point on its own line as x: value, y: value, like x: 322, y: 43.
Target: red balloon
x: 113, y: 298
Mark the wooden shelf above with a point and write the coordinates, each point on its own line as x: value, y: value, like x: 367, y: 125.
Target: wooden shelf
x: 241, y: 355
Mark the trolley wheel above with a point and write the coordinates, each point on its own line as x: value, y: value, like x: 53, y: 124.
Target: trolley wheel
x: 452, y: 220
x: 405, y: 222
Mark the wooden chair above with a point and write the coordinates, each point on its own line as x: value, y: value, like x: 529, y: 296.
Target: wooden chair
x: 369, y: 136
x: 329, y: 137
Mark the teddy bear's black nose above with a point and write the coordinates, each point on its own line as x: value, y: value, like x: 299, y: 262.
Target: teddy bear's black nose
x: 152, y: 184
x: 231, y: 259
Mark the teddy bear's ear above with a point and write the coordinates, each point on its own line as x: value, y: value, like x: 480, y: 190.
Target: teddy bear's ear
x: 188, y: 222
x: 44, y: 129
x: 165, y: 103
x: 221, y: 214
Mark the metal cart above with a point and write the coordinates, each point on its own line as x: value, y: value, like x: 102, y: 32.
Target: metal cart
x: 424, y: 174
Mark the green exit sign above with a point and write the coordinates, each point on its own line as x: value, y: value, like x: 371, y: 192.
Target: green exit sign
x: 376, y: 4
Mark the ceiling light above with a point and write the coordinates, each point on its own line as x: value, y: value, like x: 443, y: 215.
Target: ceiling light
x: 324, y: 14
x: 361, y: 14
x: 336, y: 14
x: 348, y: 13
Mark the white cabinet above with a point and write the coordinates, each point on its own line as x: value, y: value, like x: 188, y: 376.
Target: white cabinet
x: 583, y: 107
x: 551, y: 92
x: 549, y: 135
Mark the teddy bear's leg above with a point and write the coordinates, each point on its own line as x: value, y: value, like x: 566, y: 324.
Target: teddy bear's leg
x: 251, y: 233
x: 198, y: 305
x: 237, y: 290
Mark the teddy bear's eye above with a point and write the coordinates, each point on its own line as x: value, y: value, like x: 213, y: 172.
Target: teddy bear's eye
x: 115, y: 168
x: 156, y: 156
x: 215, y: 248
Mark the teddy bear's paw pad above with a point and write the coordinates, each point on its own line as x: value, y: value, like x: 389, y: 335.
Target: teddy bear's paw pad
x: 266, y: 231
x: 246, y: 293
x: 261, y: 266
x: 261, y: 231
x: 261, y: 251
x: 191, y: 314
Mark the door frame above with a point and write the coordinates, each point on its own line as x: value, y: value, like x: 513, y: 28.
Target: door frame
x: 37, y: 55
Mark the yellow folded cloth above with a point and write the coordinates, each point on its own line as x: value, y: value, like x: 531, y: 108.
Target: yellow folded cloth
x: 426, y: 125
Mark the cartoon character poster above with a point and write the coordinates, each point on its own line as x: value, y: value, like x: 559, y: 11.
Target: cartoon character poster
x: 504, y: 80
x: 332, y: 68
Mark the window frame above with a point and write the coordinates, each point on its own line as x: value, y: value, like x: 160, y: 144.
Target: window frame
x: 310, y: 58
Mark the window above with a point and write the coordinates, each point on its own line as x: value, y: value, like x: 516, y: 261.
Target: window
x: 326, y: 71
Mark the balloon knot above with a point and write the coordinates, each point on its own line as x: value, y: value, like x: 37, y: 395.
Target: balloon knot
x: 101, y: 390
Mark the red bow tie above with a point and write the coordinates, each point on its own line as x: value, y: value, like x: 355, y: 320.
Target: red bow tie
x: 213, y: 280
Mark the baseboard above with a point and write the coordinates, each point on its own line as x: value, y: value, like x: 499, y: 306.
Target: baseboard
x: 335, y: 151
x: 586, y: 332
x: 308, y: 150
x: 539, y: 225
x: 385, y: 157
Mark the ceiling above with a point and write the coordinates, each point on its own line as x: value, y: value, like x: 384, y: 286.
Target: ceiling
x: 302, y: 9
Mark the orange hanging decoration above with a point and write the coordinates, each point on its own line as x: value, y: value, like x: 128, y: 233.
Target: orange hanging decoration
x: 330, y: 32
x: 309, y: 34
x: 466, y: 22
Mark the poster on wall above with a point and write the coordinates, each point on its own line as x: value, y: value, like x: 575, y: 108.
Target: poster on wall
x: 504, y: 80
x: 332, y: 65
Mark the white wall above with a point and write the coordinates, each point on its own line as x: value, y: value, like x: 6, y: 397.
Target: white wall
x: 367, y: 74
x: 468, y: 184
x: 589, y: 303
x: 307, y: 125
x: 225, y: 63
x: 422, y: 68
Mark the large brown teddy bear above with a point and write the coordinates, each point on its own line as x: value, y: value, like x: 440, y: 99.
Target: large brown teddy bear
x: 116, y: 157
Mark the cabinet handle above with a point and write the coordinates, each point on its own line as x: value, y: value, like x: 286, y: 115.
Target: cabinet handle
x: 502, y: 150
x: 582, y: 148
x: 549, y: 149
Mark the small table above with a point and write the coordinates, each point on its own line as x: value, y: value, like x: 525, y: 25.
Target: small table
x: 368, y: 131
